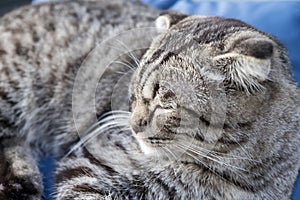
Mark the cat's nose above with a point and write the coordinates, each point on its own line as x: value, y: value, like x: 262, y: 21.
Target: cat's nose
x: 139, y: 125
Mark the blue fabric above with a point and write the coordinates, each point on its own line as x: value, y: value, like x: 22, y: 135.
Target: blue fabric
x: 281, y: 19
x: 46, y: 166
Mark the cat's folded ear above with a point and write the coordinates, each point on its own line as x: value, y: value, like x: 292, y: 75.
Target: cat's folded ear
x: 247, y: 63
x: 166, y: 20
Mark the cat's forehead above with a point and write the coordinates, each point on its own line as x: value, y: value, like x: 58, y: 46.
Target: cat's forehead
x: 200, y: 32
x: 210, y: 28
x: 188, y: 49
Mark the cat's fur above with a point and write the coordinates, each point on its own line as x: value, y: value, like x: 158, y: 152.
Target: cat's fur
x: 215, y: 110
x: 41, y: 49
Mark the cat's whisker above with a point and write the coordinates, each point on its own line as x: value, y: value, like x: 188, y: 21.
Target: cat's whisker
x: 134, y: 58
x: 136, y: 61
x: 203, y: 163
x: 203, y: 154
x: 222, y: 163
x: 121, y: 73
x: 241, y: 146
x: 168, y: 151
x: 203, y: 149
x: 115, y: 112
x: 110, y: 120
x: 156, y: 155
x: 224, y: 155
x: 124, y: 64
x: 164, y: 151
x: 183, y: 149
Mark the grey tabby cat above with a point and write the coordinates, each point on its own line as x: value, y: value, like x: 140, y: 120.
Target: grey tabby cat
x: 214, y: 107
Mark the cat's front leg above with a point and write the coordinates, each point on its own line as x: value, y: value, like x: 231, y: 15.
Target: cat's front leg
x: 75, y: 179
x: 19, y: 175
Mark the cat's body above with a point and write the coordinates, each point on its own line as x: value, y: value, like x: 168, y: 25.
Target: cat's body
x: 232, y: 82
x: 42, y: 48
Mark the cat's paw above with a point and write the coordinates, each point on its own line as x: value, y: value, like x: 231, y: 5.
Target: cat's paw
x: 21, y: 188
x: 19, y: 176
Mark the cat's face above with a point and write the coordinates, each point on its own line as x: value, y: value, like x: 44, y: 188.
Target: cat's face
x: 202, y: 79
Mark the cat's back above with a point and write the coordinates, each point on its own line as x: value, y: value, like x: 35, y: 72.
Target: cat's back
x: 41, y: 49
x: 50, y: 39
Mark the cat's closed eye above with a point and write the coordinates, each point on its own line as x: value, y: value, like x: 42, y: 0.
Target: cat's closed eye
x: 167, y: 98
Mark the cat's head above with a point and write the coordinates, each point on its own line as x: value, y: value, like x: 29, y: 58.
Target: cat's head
x: 206, y: 83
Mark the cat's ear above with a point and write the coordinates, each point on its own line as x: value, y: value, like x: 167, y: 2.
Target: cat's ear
x: 248, y: 62
x: 166, y: 20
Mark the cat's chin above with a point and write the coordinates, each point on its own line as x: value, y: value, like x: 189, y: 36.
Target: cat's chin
x: 146, y: 149
x: 149, y: 150
x: 157, y: 153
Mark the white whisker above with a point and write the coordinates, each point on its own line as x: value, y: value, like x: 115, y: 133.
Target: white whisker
x: 124, y: 64
x: 197, y: 159
x: 223, y: 164
x: 110, y: 120
x: 130, y: 53
x: 202, y: 162
x: 242, y: 148
x: 224, y: 155
x: 167, y: 151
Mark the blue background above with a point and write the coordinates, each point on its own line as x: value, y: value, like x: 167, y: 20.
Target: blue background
x: 281, y: 19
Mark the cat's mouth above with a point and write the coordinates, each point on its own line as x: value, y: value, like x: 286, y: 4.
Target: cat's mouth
x: 149, y: 143
x: 152, y: 146
x: 154, y: 140
x: 158, y: 141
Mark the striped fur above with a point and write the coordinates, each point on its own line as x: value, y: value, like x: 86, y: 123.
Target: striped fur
x: 215, y: 115
x: 214, y: 109
x: 41, y: 49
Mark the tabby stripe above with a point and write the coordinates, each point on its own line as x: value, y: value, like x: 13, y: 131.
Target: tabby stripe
x: 99, y: 163
x: 66, y: 190
x: 68, y: 174
x: 4, y: 97
x: 10, y: 77
x: 85, y: 188
x: 155, y: 58
x: 205, y: 29
x: 156, y: 55
x: 21, y: 50
x: 257, y: 186
x: 2, y: 52
x: 18, y: 69
x: 4, y: 122
x: 120, y: 146
x: 232, y: 144
x: 164, y: 60
x: 170, y: 190
x: 169, y: 130
x: 201, y: 118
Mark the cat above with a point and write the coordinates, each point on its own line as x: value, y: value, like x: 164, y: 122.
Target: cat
x: 214, y: 110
